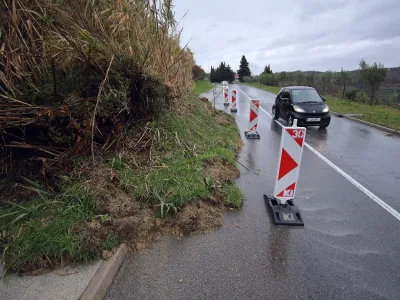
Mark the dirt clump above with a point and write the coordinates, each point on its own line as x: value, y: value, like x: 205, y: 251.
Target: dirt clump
x: 220, y: 171
x: 223, y: 119
x: 139, y: 224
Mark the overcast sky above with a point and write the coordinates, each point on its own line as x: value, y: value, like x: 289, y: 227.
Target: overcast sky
x: 291, y: 34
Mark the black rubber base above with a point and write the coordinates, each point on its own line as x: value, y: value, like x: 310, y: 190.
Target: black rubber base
x: 226, y: 104
x: 252, y: 135
x: 233, y: 109
x: 287, y: 214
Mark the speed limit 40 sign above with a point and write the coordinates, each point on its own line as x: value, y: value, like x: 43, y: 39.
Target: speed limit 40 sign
x: 291, y: 150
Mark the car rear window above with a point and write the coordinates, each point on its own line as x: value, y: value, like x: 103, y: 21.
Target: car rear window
x: 302, y: 95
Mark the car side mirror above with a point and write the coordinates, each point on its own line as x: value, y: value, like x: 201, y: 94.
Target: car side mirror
x: 285, y: 96
x: 285, y: 99
x: 323, y: 99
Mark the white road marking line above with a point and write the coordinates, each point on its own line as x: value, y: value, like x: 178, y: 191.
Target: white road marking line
x: 362, y: 188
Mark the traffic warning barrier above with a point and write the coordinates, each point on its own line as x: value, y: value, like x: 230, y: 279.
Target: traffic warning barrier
x: 281, y: 203
x: 253, y: 121
x: 234, y: 99
x: 226, y: 98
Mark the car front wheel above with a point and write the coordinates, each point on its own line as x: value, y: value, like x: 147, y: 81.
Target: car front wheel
x: 323, y: 126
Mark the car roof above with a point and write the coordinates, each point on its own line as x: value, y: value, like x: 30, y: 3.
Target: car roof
x: 299, y: 88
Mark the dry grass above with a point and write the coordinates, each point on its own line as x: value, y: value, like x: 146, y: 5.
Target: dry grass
x: 78, y: 33
x: 77, y: 73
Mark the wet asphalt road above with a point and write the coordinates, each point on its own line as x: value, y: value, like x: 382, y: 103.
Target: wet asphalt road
x: 348, y: 249
x: 367, y: 154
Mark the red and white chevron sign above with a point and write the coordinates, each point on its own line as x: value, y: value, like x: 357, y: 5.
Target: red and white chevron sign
x: 226, y: 98
x: 291, y: 150
x: 234, y: 95
x: 254, y: 108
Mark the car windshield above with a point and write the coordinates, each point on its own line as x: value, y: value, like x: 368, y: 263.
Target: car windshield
x: 302, y: 96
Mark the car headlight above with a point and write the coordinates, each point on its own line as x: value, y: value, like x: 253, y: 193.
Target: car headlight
x: 298, y: 109
x: 326, y: 109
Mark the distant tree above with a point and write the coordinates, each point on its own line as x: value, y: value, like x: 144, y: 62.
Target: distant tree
x: 198, y: 72
x: 310, y: 78
x: 282, y: 77
x: 222, y: 73
x: 372, y: 77
x: 229, y: 74
x: 250, y: 79
x: 212, y: 75
x: 344, y: 80
x: 267, y: 70
x: 289, y: 76
x: 267, y: 79
x: 244, y: 69
x: 299, y: 77
x: 326, y: 80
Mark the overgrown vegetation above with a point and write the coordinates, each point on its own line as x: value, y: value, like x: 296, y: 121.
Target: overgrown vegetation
x: 202, y: 86
x: 187, y: 140
x: 101, y: 139
x: 187, y: 153
x: 74, y: 75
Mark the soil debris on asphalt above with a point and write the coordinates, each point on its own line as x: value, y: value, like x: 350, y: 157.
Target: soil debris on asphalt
x: 220, y: 171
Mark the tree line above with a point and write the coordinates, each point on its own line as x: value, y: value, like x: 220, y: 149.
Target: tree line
x: 222, y: 73
x: 361, y: 85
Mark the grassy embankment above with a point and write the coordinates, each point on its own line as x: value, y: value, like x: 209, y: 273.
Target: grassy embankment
x: 378, y: 114
x: 186, y: 140
x: 110, y: 137
x: 202, y: 86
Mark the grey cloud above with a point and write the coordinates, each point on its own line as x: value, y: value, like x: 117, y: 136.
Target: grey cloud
x: 291, y: 35
x: 236, y: 40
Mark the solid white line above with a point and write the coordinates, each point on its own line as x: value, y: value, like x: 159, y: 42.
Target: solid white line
x: 362, y: 188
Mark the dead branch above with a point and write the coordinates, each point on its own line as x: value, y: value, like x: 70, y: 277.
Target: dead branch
x: 97, y: 103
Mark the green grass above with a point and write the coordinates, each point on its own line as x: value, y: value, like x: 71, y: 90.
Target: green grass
x: 111, y: 242
x: 272, y: 89
x: 188, y: 140
x: 41, y: 228
x: 232, y: 195
x: 377, y: 114
x: 202, y: 86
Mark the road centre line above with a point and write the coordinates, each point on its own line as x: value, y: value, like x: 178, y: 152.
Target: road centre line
x: 362, y: 188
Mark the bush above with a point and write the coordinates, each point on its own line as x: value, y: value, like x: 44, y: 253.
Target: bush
x: 249, y: 79
x: 361, y: 97
x: 351, y: 93
x: 267, y: 79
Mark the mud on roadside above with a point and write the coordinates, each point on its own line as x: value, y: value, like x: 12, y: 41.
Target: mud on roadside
x: 139, y: 225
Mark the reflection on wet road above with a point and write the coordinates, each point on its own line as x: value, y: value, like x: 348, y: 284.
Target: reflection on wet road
x: 348, y: 249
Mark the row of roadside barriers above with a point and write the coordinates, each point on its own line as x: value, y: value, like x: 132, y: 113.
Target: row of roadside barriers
x: 281, y: 202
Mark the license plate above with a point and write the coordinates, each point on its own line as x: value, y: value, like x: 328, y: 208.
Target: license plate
x: 313, y: 119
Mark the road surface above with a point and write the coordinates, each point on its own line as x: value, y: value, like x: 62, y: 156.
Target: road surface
x: 349, y: 247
